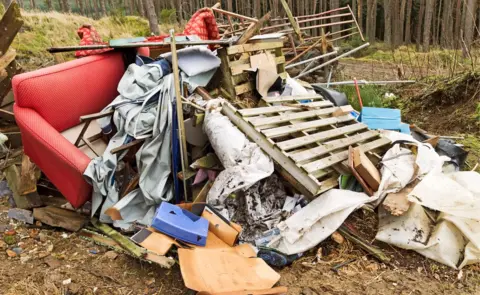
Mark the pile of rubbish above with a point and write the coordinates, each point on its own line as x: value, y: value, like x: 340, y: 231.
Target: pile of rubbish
x: 179, y: 169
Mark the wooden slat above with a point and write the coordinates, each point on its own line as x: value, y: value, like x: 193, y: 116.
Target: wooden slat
x: 277, y: 109
x: 284, y: 130
x: 286, y: 117
x: 291, y: 98
x: 244, y: 88
x: 253, y: 47
x: 332, y: 145
x: 342, y: 156
x: 10, y: 24
x: 286, y: 163
x: 320, y: 136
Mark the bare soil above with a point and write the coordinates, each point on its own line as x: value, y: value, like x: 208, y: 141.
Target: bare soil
x: 51, y: 256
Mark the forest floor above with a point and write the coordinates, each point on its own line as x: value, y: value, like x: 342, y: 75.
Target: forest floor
x: 51, y: 257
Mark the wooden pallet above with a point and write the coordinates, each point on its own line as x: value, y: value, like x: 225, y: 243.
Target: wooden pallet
x: 236, y: 59
x: 310, y: 147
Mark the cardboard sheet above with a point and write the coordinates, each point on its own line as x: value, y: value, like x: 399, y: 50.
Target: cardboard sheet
x: 266, y: 71
x: 224, y: 270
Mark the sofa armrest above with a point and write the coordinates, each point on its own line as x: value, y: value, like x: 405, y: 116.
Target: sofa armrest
x: 59, y: 159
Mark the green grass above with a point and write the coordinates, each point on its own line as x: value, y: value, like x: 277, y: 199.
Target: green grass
x: 42, y: 30
x: 372, y: 96
x: 472, y: 145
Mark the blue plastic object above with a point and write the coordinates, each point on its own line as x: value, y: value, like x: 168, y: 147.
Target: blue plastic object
x: 405, y: 128
x: 181, y: 224
x: 381, y: 118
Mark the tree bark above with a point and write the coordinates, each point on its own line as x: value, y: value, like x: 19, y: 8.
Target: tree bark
x: 256, y: 8
x: 470, y: 14
x: 408, y: 22
x: 49, y: 5
x: 428, y: 25
x: 97, y: 11
x: 81, y: 7
x: 420, y: 17
x: 66, y: 6
x: 152, y: 16
x: 103, y: 7
x: 387, y: 10
x: 333, y: 5
x: 132, y: 7
x: 33, y: 5
x: 360, y: 13
x: 141, y: 8
x: 402, y: 21
x: 371, y: 20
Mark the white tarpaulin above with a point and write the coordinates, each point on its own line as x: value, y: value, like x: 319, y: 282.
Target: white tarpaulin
x: 318, y: 220
x: 457, y: 229
x: 244, y: 162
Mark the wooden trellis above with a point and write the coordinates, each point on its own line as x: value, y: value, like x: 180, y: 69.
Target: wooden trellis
x: 306, y: 141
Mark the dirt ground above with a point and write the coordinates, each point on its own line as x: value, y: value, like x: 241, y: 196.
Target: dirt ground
x: 51, y: 258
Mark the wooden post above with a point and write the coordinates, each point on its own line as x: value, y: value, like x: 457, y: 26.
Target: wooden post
x: 178, y: 98
x: 295, y: 26
x: 356, y: 23
x: 254, y: 27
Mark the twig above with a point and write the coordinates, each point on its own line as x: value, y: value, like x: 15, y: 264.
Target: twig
x: 377, y: 253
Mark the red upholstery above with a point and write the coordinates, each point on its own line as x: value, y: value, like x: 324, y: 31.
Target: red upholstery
x: 50, y: 100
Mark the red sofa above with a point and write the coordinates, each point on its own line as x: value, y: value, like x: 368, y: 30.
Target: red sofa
x: 50, y: 101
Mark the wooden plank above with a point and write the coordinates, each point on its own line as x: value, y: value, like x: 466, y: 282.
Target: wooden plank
x: 240, y: 79
x: 276, y: 109
x: 320, y: 136
x: 331, y: 146
x: 227, y: 81
x: 284, y: 130
x: 9, y: 26
x: 342, y: 156
x: 249, y: 47
x: 276, y: 154
x: 291, y: 98
x: 285, y: 117
x: 7, y: 59
x: 292, y: 20
x: 240, y: 89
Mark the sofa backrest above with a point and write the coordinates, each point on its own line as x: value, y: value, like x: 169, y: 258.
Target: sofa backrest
x: 64, y: 92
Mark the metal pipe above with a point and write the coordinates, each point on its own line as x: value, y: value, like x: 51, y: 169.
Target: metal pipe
x: 225, y: 12
x: 344, y: 36
x: 329, y: 34
x: 311, y: 59
x: 313, y: 15
x: 364, y: 82
x: 319, y: 26
x: 334, y: 59
x: 356, y: 23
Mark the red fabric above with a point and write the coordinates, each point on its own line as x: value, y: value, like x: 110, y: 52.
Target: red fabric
x: 50, y: 100
x: 90, y: 36
x: 203, y: 24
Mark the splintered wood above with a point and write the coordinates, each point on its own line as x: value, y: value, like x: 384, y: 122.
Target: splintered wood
x: 308, y: 144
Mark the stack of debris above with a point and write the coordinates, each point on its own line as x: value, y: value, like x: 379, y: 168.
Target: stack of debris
x: 277, y: 165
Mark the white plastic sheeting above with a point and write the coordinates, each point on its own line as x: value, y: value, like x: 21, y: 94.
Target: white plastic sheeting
x: 456, y: 232
x: 318, y: 220
x: 244, y: 162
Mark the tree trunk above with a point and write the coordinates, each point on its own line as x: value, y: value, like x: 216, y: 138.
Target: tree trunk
x: 387, y: 10
x: 256, y: 8
x: 402, y: 21
x: 81, y: 7
x: 408, y: 22
x: 360, y: 13
x: 33, y: 5
x: 141, y: 8
x: 418, y: 33
x: 470, y: 13
x: 132, y: 7
x: 103, y: 7
x: 66, y: 6
x: 49, y: 5
x: 445, y: 38
x: 152, y: 16
x: 333, y: 5
x: 428, y: 25
x: 395, y: 23
x: 371, y: 20
x: 97, y: 11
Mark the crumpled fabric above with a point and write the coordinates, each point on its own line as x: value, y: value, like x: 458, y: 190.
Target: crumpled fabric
x: 318, y: 220
x: 90, y: 36
x: 244, y: 161
x: 143, y: 109
x: 455, y: 232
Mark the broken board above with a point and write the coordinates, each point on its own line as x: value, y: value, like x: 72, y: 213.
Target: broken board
x: 308, y: 145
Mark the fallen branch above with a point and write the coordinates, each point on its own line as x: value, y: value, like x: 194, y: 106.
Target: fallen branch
x: 119, y: 238
x: 349, y: 235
